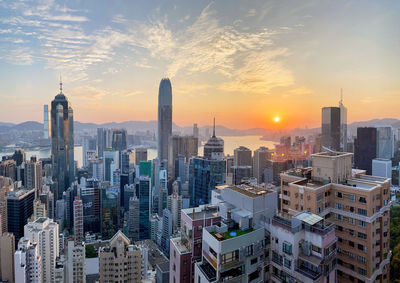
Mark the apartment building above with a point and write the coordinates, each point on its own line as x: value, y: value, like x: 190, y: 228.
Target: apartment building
x: 237, y: 249
x: 120, y: 261
x: 358, y: 205
x: 303, y: 249
x: 27, y: 262
x: 76, y: 264
x: 186, y: 249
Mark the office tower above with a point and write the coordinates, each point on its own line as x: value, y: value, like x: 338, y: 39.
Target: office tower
x: 195, y: 130
x: 78, y: 220
x: 44, y: 232
x: 260, y: 162
x: 110, y: 163
x: 90, y: 196
x: 96, y: 168
x: 100, y: 142
x: 127, y: 161
x: 186, y: 249
x: 365, y: 148
x: 382, y: 167
x: 89, y: 147
x: 140, y: 155
x: 7, y: 250
x: 119, y: 139
x: 46, y: 122
x: 185, y: 146
x: 133, y: 218
x: 8, y: 168
x: 357, y: 204
x: 181, y: 169
x: 331, y: 128
x: 145, y: 169
x: 19, y: 209
x: 204, y: 175
x: 240, y: 174
x: 120, y: 252
x: 164, y: 120
x: 39, y: 210
x: 385, y: 142
x: 214, y: 148
x: 236, y: 249
x: 68, y: 197
x: 145, y: 207
x: 166, y: 231
x: 174, y: 205
x: 343, y: 125
x: 62, y: 143
x: 295, y: 241
x: 76, y: 264
x: 33, y: 175
x: 109, y: 211
x: 163, y: 191
x: 19, y: 156
x: 116, y: 178
x: 242, y: 156
x: 28, y: 262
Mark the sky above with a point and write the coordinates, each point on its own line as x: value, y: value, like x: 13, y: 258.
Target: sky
x: 244, y: 62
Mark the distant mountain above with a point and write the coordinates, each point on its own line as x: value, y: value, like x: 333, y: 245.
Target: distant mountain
x: 5, y: 124
x: 28, y: 126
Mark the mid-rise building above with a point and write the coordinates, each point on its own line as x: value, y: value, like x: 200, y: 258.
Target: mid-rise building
x: 120, y: 261
x: 356, y: 203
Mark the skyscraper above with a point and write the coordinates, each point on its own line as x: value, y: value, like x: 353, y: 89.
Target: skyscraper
x: 331, y: 128
x: 46, y: 122
x: 62, y: 143
x: 145, y: 207
x: 119, y: 139
x: 260, y: 162
x: 214, y: 148
x: 78, y: 220
x: 343, y: 124
x: 164, y: 119
x: 365, y: 148
x: 385, y: 142
x: 181, y: 146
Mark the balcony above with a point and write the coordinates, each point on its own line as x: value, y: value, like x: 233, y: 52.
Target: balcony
x: 208, y: 271
x: 304, y: 270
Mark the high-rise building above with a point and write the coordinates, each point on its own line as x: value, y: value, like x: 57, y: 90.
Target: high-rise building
x: 45, y: 233
x: 19, y: 209
x: 119, y: 139
x: 343, y: 125
x: 39, y: 210
x: 110, y: 163
x: 174, y: 205
x: 62, y: 143
x: 166, y: 231
x: 214, y: 148
x: 7, y: 250
x: 145, y: 207
x: 46, y: 122
x: 33, y: 175
x: 164, y: 120
x: 195, y: 130
x: 382, y: 167
x: 242, y: 156
x: 356, y: 203
x: 185, y: 146
x: 100, y: 142
x: 28, y: 262
x: 76, y: 264
x: 88, y: 149
x: 140, y: 155
x: 109, y: 211
x: 260, y: 162
x: 365, y: 148
x: 385, y: 142
x: 204, y: 175
x: 331, y: 128
x: 78, y: 220
x: 133, y: 218
x: 240, y: 174
x: 127, y: 161
x: 120, y: 261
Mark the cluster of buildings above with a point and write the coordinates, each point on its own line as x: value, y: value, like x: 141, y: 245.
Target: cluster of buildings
x: 295, y: 213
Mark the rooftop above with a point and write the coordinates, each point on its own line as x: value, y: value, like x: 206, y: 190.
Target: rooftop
x: 230, y: 234
x: 331, y: 154
x: 181, y: 247
x: 250, y: 190
x: 202, y: 212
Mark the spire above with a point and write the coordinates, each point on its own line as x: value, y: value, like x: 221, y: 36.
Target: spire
x: 60, y: 84
x: 214, y: 128
x: 341, y: 96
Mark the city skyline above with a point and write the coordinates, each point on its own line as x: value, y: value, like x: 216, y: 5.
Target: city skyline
x: 219, y: 57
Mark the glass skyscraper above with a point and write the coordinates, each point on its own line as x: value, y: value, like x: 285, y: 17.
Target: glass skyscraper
x: 164, y: 120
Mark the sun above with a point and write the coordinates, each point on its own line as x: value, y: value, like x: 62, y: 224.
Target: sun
x: 277, y: 119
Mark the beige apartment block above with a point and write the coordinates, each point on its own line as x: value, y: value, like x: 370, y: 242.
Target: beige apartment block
x: 356, y: 203
x: 120, y: 261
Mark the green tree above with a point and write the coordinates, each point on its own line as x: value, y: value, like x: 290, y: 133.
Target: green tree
x: 91, y: 252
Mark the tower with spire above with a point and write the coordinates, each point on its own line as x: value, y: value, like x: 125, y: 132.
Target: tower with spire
x: 214, y: 148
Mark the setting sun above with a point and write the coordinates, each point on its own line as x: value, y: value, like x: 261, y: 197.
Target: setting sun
x: 277, y: 119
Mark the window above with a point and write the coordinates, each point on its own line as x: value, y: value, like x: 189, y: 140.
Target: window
x: 287, y: 248
x: 362, y: 271
x: 351, y: 243
x: 338, y: 216
x: 319, y: 197
x: 361, y: 247
x: 362, y: 223
x: 362, y: 211
x: 338, y: 195
x: 285, y: 202
x: 249, y: 250
x: 351, y: 255
x: 362, y: 199
x: 361, y: 259
x: 362, y: 235
x: 254, y: 261
x: 287, y: 263
x: 213, y: 252
x: 286, y: 193
x: 254, y: 275
x: 316, y: 249
x: 338, y: 205
x: 229, y: 257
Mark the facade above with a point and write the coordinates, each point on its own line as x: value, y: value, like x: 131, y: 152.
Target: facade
x: 214, y: 148
x: 174, y: 205
x: 133, y: 218
x: 76, y: 263
x: 242, y: 156
x: 46, y: 122
x: 28, y: 262
x: 343, y: 126
x: 204, y: 175
x: 45, y: 233
x: 356, y: 203
x: 33, y: 175
x: 145, y: 207
x: 382, y: 168
x: 120, y: 259
x: 109, y: 211
x: 7, y: 250
x: 119, y: 139
x: 140, y: 155
x: 164, y: 120
x: 78, y: 220
x: 385, y: 142
x: 19, y: 209
x: 181, y: 146
x: 303, y: 249
x: 110, y: 163
x: 240, y: 173
x: 88, y: 149
x: 365, y: 148
x: 62, y: 143
x: 186, y: 249
x: 260, y: 162
x: 331, y: 128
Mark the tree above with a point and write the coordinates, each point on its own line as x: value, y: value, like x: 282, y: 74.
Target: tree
x: 91, y: 252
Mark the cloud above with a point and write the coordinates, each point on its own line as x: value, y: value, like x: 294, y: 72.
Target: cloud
x: 86, y: 92
x: 299, y: 91
x: 133, y: 93
x: 251, y: 13
x: 19, y: 56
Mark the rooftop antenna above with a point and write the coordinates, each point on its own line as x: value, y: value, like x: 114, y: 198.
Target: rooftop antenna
x: 60, y: 84
x: 214, y: 128
x: 341, y: 96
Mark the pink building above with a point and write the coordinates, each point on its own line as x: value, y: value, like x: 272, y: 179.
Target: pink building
x: 78, y: 220
x: 186, y: 249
